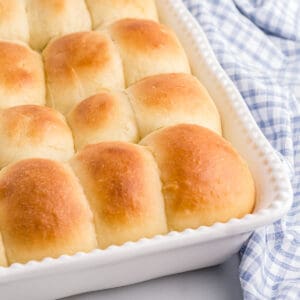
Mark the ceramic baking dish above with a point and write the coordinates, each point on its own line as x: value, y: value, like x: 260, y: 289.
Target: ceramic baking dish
x: 176, y: 251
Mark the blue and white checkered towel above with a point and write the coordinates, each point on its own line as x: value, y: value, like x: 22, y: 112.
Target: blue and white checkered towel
x: 257, y: 42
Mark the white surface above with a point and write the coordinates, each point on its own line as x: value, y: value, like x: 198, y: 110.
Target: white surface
x: 216, y: 283
x: 176, y: 251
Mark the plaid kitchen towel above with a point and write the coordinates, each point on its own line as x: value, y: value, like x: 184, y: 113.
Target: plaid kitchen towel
x: 257, y: 43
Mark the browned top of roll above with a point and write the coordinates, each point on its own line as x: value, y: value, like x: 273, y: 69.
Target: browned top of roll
x: 123, y: 186
x: 35, y: 120
x: 144, y: 35
x: 38, y: 197
x: 204, y: 179
x: 147, y: 48
x: 77, y: 52
x: 105, y: 116
x: 121, y: 181
x: 19, y: 66
x: 43, y: 211
x: 167, y: 91
x: 169, y: 99
x: 95, y: 111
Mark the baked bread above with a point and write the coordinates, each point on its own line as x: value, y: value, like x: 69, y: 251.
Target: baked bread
x: 121, y: 182
x: 106, y: 116
x: 33, y: 131
x: 43, y: 211
x: 106, y: 11
x: 53, y: 18
x: 79, y: 65
x: 21, y: 76
x: 169, y: 99
x: 129, y: 79
x: 204, y: 179
x: 13, y: 25
x: 147, y: 48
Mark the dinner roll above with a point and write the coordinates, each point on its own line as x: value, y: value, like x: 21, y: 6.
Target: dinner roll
x: 79, y: 65
x: 170, y: 99
x: 3, y: 260
x: 51, y: 18
x: 204, y: 179
x: 147, y: 48
x: 121, y: 181
x: 106, y: 116
x: 43, y: 211
x: 33, y: 131
x: 13, y: 25
x: 105, y: 11
x: 21, y: 75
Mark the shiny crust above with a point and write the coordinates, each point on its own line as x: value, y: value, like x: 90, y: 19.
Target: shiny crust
x: 21, y: 75
x: 204, y: 178
x: 122, y: 184
x: 53, y: 18
x: 43, y: 211
x: 143, y: 42
x: 33, y: 131
x: 78, y: 65
x: 106, y: 116
x: 105, y: 11
x: 169, y: 99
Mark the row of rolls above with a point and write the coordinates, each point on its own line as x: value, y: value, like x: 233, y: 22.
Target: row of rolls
x: 36, y: 22
x: 105, y: 135
x: 78, y: 65
x: 177, y: 177
x: 125, y: 115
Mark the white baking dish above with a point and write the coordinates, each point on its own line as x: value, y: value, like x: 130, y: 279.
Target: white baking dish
x: 174, y: 252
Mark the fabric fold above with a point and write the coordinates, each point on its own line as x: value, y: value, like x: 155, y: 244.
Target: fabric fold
x: 257, y: 44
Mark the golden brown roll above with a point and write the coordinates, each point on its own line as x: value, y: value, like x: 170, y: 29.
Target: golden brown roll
x: 147, y: 48
x: 121, y: 181
x: 3, y: 260
x: 43, y: 211
x: 204, y: 179
x: 170, y: 99
x: 33, y: 131
x: 105, y: 11
x: 106, y: 116
x: 79, y: 65
x: 21, y: 75
x: 13, y: 25
x: 52, y: 18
